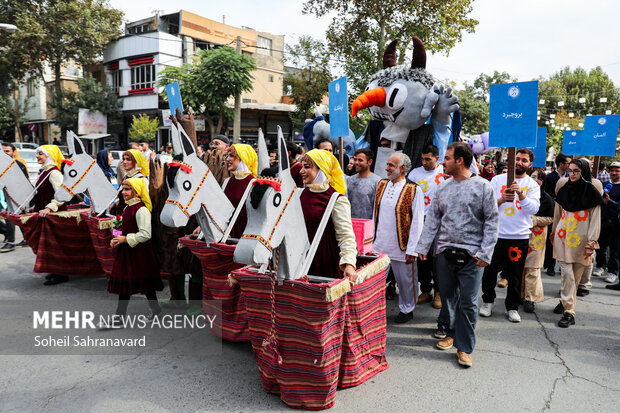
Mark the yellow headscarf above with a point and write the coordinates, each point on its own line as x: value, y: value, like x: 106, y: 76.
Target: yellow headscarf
x: 141, y: 162
x: 247, y: 154
x: 54, y: 152
x: 327, y: 162
x: 142, y: 191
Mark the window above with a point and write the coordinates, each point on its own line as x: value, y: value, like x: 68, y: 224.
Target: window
x: 116, y: 77
x: 143, y: 77
x: 30, y: 87
x: 139, y: 29
x: 271, y: 78
x: 246, y: 100
x: 263, y: 45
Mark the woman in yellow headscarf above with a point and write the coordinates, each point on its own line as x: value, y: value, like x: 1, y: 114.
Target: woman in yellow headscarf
x: 135, y: 165
x: 337, y: 251
x: 50, y: 178
x: 242, y: 163
x: 135, y: 270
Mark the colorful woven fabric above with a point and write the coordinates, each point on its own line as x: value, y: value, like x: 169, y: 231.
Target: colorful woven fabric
x: 101, y: 234
x: 61, y: 242
x: 217, y: 264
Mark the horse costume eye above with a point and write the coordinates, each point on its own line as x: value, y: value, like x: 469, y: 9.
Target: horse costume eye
x: 72, y: 173
x: 187, y: 185
x: 277, y: 198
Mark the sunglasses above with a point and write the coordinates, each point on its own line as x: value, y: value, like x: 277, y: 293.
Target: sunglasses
x: 574, y: 171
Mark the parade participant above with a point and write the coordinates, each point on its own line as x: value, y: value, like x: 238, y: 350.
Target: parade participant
x: 326, y: 144
x: 462, y: 226
x: 561, y: 165
x: 399, y: 216
x: 576, y: 228
x: 104, y: 160
x: 362, y: 187
x: 610, y: 227
x: 488, y: 170
x: 135, y: 269
x: 516, y: 204
x: 219, y: 143
x: 294, y: 166
x: 428, y: 176
x: 200, y: 152
x: 145, y: 146
x: 336, y: 255
x: 532, y: 283
x: 135, y: 165
x: 242, y: 163
x: 9, y: 228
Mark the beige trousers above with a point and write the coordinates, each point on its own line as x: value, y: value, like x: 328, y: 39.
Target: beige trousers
x: 571, y: 277
x: 532, y: 286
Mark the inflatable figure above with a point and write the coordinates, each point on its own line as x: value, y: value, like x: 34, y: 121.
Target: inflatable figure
x: 480, y: 144
x: 317, y: 129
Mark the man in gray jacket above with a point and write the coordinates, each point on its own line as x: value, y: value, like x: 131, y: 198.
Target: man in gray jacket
x: 463, y: 225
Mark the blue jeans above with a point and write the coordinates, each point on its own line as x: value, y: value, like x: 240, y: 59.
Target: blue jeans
x: 459, y: 296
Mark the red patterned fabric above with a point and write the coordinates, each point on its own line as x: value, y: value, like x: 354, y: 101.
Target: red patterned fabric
x: 217, y: 263
x: 101, y: 241
x: 62, y: 245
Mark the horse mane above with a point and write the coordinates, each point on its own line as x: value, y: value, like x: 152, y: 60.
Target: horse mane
x: 172, y: 171
x: 258, y: 191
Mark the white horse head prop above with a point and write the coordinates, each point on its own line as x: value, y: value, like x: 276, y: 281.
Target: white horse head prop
x: 275, y: 220
x: 17, y: 188
x: 194, y: 190
x: 82, y: 174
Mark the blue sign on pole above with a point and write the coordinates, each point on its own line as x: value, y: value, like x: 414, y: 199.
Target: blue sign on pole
x: 338, y: 108
x: 540, y: 150
x: 174, y: 97
x: 600, y: 134
x: 513, y: 114
x: 573, y: 143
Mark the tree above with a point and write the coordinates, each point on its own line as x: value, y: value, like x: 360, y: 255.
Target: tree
x: 307, y: 82
x: 361, y: 29
x: 207, y: 85
x: 92, y: 95
x: 482, y: 84
x: 143, y: 127
x: 474, y: 111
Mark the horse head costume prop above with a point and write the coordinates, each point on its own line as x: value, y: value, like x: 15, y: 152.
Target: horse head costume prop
x: 194, y: 190
x: 17, y: 188
x: 276, y: 228
x: 81, y: 174
x: 404, y: 97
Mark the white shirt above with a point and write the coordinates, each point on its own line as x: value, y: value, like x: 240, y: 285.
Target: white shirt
x: 427, y: 181
x: 386, y: 239
x: 514, y: 217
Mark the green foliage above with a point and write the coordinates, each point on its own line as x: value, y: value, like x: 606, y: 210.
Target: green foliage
x: 5, y: 119
x: 207, y: 85
x: 361, y: 29
x: 143, y: 127
x: 91, y: 95
x: 482, y: 84
x: 307, y: 83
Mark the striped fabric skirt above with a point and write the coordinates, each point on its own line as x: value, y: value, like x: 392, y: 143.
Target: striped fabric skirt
x: 101, y: 235
x: 217, y: 263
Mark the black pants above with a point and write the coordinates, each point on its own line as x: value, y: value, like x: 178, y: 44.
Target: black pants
x: 509, y: 258
x: 8, y: 230
x: 426, y: 275
x: 610, y: 228
x: 123, y: 302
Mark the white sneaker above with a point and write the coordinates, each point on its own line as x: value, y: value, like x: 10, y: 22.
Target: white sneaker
x: 513, y: 316
x: 599, y: 272
x: 611, y: 278
x: 485, y: 309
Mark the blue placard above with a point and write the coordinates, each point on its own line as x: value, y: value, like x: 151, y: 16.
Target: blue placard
x: 174, y: 97
x: 540, y: 150
x: 338, y: 108
x: 573, y: 143
x: 600, y: 134
x: 513, y: 114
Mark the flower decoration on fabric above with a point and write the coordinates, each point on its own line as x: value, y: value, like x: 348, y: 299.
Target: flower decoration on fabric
x: 526, y: 190
x: 518, y: 205
x: 562, y: 233
x: 538, y: 242
x: 570, y: 224
x: 503, y: 189
x: 538, y: 230
x: 583, y: 217
x: 423, y: 185
x: 563, y: 214
x: 427, y: 200
x: 529, y: 249
x: 514, y: 253
x: 573, y: 240
x: 510, y: 211
x: 438, y: 178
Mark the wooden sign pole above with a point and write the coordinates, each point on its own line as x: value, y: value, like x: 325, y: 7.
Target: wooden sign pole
x: 341, y: 152
x: 595, y: 166
x: 511, y: 166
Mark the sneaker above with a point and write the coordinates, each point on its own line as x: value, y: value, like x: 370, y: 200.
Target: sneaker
x: 611, y: 278
x: 464, y: 358
x: 502, y: 283
x: 513, y: 316
x: 7, y: 247
x: 582, y: 292
x: 445, y: 344
x: 402, y: 318
x: 485, y: 309
x: 551, y: 272
x: 529, y: 306
x: 436, y: 300
x: 599, y: 272
x: 559, y: 309
x: 567, y: 320
x: 440, y: 333
x: 425, y: 298
x: 21, y: 244
x: 151, y: 315
x: 615, y: 287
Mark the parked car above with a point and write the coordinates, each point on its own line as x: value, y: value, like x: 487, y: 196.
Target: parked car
x: 64, y: 150
x: 117, y: 156
x: 25, y: 145
x: 33, y: 166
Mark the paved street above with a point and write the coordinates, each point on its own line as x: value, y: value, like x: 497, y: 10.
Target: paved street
x: 531, y: 366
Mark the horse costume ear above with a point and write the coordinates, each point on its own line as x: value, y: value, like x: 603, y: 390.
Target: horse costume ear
x: 188, y: 146
x: 71, y: 142
x: 263, y: 153
x: 175, y: 138
x: 282, y: 151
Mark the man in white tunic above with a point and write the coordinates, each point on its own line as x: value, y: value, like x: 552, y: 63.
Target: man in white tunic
x: 399, y: 217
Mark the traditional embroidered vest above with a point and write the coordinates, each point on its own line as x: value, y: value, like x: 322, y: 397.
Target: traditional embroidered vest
x: 402, y: 210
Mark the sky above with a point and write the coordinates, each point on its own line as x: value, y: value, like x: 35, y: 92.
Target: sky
x: 526, y: 38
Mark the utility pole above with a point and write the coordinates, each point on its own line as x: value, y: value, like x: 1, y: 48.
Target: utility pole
x: 237, y: 121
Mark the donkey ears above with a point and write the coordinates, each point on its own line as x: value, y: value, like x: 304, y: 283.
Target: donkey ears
x: 75, y: 144
x: 263, y: 153
x: 282, y: 152
x: 181, y: 143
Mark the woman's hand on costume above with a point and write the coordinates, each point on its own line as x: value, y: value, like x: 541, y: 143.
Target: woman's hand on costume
x: 350, y: 273
x: 197, y: 230
x: 44, y: 212
x: 119, y: 239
